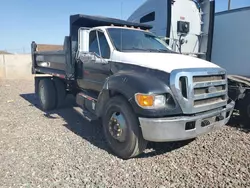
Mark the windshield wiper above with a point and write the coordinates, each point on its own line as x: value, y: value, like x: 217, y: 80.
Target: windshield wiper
x: 135, y: 49
x: 142, y: 49
x: 158, y: 50
x: 148, y: 49
x: 165, y: 50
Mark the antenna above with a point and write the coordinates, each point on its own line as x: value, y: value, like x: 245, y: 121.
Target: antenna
x: 229, y: 4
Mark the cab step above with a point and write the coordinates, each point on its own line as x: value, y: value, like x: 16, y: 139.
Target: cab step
x: 89, y: 116
x: 87, y: 102
x: 86, y: 115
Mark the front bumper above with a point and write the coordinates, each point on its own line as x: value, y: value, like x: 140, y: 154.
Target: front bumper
x: 178, y: 128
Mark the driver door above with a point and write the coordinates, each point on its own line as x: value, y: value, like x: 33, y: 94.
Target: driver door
x: 95, y: 73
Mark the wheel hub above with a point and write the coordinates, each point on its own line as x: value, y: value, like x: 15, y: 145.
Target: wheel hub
x: 117, y: 126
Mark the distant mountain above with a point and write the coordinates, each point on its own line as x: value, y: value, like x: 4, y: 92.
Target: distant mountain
x: 4, y: 52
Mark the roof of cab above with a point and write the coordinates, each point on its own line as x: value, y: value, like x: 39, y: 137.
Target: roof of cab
x: 81, y: 20
x: 119, y: 27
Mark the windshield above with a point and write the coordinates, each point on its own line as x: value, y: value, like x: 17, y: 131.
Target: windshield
x: 136, y: 40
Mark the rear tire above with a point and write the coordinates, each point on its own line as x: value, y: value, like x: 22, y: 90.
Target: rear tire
x: 47, y: 94
x: 130, y: 141
x: 60, y: 92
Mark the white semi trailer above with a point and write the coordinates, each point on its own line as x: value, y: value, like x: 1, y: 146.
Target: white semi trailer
x: 187, y: 25
x: 231, y: 50
x: 192, y: 27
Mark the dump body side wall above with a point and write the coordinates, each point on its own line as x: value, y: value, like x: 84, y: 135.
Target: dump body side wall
x: 56, y: 62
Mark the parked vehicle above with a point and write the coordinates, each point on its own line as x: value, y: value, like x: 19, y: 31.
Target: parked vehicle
x: 133, y: 82
x: 231, y: 50
x: 186, y: 25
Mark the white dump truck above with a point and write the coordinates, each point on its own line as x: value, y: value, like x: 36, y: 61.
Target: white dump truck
x: 131, y: 80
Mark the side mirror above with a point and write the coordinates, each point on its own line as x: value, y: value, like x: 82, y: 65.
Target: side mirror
x: 87, y: 57
x: 91, y: 58
x: 101, y: 60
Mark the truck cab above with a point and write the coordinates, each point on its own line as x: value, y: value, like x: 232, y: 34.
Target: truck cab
x: 134, y: 83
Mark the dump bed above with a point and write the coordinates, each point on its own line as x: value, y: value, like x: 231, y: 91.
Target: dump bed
x: 50, y: 59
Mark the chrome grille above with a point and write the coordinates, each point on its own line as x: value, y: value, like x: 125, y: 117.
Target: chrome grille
x: 208, y: 101
x: 209, y: 89
x: 208, y: 78
x: 199, y: 90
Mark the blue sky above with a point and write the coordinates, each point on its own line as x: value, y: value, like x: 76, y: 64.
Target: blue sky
x: 47, y: 21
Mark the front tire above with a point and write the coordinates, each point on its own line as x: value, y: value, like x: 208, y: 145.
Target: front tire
x: 121, y: 129
x: 47, y: 94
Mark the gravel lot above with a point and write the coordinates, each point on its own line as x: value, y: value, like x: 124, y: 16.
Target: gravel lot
x: 61, y: 149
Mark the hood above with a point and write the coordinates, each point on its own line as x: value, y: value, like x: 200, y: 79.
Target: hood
x: 166, y: 62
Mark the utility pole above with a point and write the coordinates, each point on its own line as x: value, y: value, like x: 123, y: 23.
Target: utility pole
x: 229, y: 4
x: 122, y: 10
x: 121, y: 18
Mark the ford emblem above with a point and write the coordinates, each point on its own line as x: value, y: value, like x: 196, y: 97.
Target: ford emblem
x: 212, y: 89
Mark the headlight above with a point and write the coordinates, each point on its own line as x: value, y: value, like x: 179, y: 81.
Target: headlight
x: 150, y: 101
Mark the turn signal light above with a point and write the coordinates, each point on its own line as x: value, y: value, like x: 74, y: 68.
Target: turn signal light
x: 145, y: 100
x: 150, y: 101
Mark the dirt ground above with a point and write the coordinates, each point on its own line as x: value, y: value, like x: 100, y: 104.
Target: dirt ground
x: 61, y: 149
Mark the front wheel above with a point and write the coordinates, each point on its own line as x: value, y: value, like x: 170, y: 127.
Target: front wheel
x: 121, y: 129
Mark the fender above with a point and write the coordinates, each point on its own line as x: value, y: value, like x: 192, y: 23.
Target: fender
x: 129, y: 82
